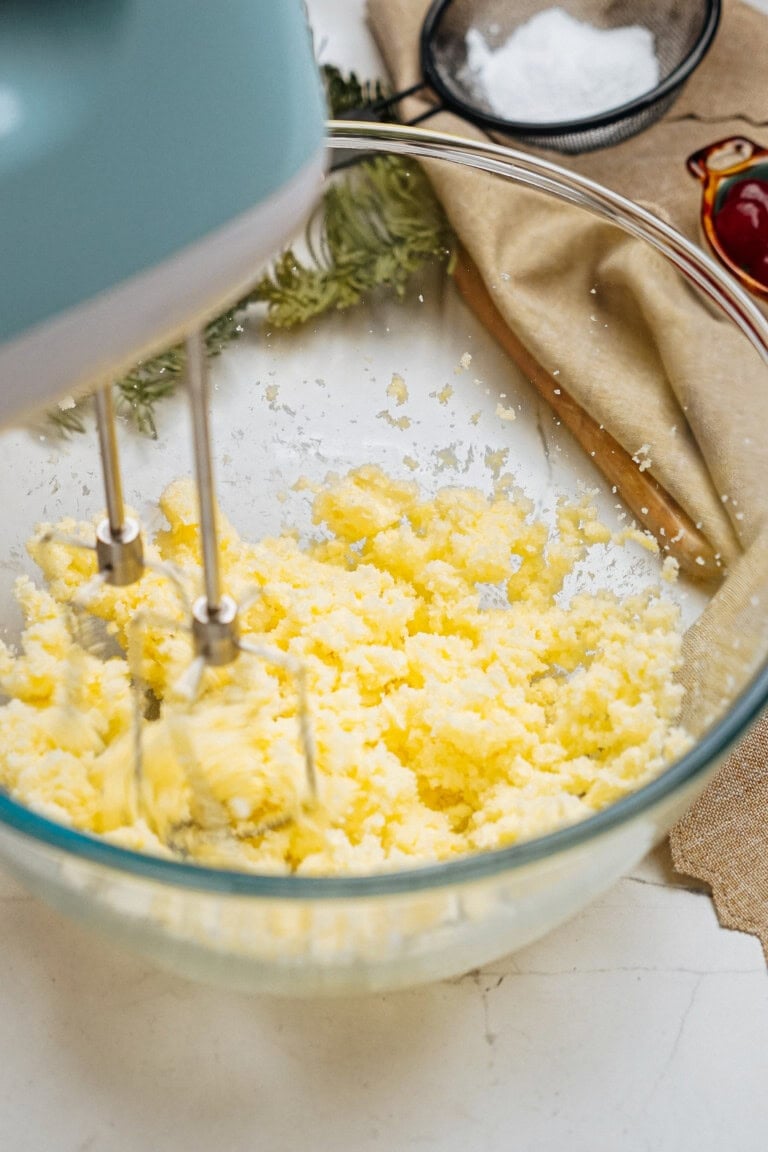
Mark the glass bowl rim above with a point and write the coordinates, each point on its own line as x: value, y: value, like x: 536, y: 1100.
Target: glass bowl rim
x: 734, y: 302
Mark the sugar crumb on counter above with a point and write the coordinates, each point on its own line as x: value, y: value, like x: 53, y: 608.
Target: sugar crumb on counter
x: 446, y: 458
x: 496, y: 459
x: 646, y: 540
x: 304, y: 484
x: 505, y: 413
x: 443, y: 726
x: 642, y: 458
x: 402, y: 423
x: 443, y: 395
x: 397, y: 389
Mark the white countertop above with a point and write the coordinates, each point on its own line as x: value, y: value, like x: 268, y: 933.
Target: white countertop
x: 639, y: 1027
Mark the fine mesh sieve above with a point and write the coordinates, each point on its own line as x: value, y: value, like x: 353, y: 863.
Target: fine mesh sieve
x: 682, y: 33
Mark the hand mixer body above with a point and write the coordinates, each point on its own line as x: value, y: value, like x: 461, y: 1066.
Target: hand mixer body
x: 152, y: 154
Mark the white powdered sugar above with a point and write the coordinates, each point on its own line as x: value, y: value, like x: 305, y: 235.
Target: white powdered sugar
x: 556, y: 68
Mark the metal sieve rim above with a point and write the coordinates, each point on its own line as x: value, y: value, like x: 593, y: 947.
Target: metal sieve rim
x: 524, y: 128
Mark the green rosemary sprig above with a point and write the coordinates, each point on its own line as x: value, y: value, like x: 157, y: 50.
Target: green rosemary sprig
x: 139, y: 392
x: 376, y: 225
x: 66, y: 421
x: 345, y: 93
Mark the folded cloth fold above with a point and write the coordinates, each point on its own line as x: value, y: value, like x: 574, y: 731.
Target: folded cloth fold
x: 665, y: 381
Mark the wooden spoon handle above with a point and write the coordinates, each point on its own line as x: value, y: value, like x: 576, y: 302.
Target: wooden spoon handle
x: 649, y: 503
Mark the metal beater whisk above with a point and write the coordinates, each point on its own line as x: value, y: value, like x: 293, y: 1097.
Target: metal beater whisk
x: 214, y: 624
x: 105, y: 264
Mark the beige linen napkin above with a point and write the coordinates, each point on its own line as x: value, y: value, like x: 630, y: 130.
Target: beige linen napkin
x: 666, y: 379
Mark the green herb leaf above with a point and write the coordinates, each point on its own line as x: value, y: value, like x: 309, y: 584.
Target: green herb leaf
x: 139, y: 392
x: 345, y: 93
x: 377, y: 224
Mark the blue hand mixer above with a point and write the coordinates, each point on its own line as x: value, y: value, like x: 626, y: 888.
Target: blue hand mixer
x: 153, y: 153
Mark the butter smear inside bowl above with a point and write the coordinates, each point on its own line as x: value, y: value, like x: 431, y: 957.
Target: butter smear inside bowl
x: 460, y: 701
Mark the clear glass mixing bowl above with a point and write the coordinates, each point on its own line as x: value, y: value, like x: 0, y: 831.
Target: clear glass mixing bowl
x: 309, y: 401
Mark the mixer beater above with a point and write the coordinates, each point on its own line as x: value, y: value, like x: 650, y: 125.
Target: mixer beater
x: 214, y: 616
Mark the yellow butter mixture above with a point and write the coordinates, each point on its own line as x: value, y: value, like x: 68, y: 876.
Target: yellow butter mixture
x: 459, y: 701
